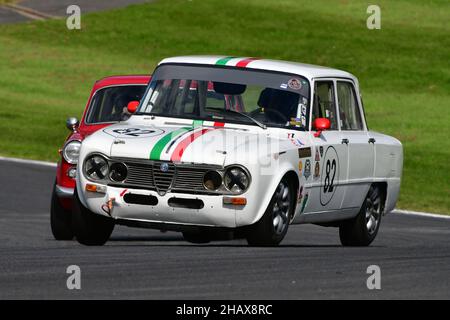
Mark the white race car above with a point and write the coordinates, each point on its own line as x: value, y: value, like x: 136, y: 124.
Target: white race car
x: 227, y: 147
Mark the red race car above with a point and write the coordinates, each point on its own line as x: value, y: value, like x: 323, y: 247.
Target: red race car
x: 107, y: 104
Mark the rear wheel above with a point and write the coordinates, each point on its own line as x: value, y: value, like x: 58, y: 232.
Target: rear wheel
x: 60, y: 219
x: 273, y: 225
x: 362, y: 230
x: 90, y: 228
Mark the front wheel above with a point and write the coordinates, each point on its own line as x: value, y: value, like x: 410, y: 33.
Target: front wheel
x: 60, y: 219
x: 272, y: 227
x: 90, y: 229
x: 362, y: 230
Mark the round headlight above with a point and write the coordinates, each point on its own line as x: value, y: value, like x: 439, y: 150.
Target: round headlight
x: 212, y: 180
x: 71, y: 152
x: 96, y: 167
x: 236, y: 179
x: 118, y: 172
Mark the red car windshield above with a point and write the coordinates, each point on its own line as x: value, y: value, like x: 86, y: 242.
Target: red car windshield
x: 110, y: 104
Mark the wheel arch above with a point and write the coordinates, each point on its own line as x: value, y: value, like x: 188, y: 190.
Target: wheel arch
x: 383, y: 188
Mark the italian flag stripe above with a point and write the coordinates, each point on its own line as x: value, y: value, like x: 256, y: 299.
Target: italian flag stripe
x: 181, y: 147
x: 223, y: 61
x: 155, y: 154
x: 245, y: 62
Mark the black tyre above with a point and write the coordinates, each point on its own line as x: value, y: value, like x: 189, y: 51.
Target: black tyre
x: 362, y: 230
x: 196, y: 237
x: 273, y: 225
x: 90, y: 229
x: 60, y: 219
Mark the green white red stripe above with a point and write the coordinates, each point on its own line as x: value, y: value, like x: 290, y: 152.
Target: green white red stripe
x: 241, y: 63
x: 167, y: 141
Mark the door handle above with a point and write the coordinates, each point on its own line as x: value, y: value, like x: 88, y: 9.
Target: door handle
x: 345, y: 140
x: 372, y: 140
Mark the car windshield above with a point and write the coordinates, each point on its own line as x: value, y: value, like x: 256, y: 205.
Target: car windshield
x: 110, y: 104
x: 229, y: 95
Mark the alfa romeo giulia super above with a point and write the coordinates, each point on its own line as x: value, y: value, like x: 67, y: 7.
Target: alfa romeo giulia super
x: 228, y: 147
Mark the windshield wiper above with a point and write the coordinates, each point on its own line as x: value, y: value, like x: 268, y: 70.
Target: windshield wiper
x: 261, y: 125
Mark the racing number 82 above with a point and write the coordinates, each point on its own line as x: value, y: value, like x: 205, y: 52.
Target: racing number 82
x: 329, y: 183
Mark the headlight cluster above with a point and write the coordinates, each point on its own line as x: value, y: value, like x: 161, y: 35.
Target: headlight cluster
x: 71, y: 151
x: 97, y: 168
x: 234, y: 179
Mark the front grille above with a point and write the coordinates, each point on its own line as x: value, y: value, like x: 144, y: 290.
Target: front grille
x: 147, y: 174
x: 140, y: 174
x: 163, y: 179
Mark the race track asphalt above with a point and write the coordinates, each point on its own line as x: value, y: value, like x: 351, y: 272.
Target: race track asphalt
x: 412, y: 252
x: 58, y: 8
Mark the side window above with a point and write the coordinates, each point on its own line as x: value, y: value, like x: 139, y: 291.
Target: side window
x: 324, y: 105
x: 348, y: 107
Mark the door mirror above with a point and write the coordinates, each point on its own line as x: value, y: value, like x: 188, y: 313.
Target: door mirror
x: 72, y: 124
x: 132, y: 106
x: 321, y: 124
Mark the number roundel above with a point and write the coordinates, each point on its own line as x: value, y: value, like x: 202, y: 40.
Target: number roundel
x: 137, y: 132
x: 329, y: 176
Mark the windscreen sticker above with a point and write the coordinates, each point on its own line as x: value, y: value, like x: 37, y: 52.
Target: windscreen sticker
x: 295, y: 84
x: 303, y: 110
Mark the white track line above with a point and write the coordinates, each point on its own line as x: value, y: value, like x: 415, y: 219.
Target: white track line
x: 421, y: 214
x: 35, y: 162
x: 395, y: 211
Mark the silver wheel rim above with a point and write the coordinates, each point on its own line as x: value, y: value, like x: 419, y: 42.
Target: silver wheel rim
x: 373, y: 213
x: 281, y: 208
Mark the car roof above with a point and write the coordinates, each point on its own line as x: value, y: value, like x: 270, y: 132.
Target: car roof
x: 307, y: 70
x: 122, y: 80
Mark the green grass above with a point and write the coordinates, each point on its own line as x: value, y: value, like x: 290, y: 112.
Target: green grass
x: 46, y: 71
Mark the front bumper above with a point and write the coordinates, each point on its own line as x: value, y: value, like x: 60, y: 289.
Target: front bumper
x: 213, y: 213
x: 64, y: 192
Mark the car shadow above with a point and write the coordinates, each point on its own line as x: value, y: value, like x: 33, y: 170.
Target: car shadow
x: 164, y: 241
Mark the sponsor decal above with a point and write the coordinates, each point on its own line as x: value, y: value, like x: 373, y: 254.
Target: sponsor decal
x: 330, y: 175
x: 316, y: 170
x: 305, y: 200
x: 317, y: 155
x: 304, y: 152
x: 300, y: 167
x: 321, y: 151
x: 300, y: 195
x: 283, y: 86
x: 294, y: 84
x: 307, y: 170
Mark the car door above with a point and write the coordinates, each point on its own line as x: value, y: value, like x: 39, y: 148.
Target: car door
x: 329, y: 161
x: 360, y: 145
